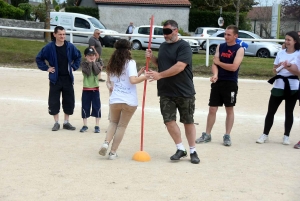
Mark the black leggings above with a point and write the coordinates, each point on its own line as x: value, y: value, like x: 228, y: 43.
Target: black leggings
x: 274, y: 103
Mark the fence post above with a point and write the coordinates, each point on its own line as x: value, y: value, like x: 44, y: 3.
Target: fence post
x: 207, y: 52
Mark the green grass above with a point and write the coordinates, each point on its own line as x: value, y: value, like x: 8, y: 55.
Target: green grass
x: 21, y: 53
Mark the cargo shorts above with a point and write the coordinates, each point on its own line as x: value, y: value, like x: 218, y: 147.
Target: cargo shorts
x: 185, y: 106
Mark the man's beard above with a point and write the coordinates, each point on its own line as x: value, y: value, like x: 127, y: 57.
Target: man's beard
x: 172, y: 40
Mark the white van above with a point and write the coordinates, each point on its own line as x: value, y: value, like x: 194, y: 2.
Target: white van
x: 81, y: 22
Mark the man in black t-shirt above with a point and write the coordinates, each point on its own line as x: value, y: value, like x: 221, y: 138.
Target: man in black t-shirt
x: 175, y: 88
x: 63, y: 57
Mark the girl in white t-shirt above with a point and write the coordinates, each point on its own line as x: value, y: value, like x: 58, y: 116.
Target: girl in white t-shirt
x: 286, y: 86
x: 123, y: 101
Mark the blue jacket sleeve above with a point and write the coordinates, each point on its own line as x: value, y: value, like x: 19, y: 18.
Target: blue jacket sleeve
x: 40, y: 60
x: 76, y: 57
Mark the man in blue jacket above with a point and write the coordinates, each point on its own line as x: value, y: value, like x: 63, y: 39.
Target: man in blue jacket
x: 63, y: 57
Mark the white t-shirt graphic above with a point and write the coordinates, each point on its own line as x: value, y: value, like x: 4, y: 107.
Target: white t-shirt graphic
x: 123, y: 90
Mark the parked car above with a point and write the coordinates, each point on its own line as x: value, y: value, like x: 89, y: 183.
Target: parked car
x: 84, y: 23
x: 205, y: 32
x: 255, y: 48
x: 139, y: 43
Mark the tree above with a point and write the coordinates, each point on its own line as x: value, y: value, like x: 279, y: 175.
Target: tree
x: 55, y: 3
x: 71, y: 2
x: 16, y: 3
x: 39, y: 12
x: 291, y: 8
x: 229, y: 5
x: 47, y: 21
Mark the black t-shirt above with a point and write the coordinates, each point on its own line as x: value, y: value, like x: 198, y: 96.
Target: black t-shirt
x: 62, y: 60
x: 180, y: 85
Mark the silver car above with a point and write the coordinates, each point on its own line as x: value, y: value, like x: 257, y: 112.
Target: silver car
x: 255, y: 48
x: 139, y: 43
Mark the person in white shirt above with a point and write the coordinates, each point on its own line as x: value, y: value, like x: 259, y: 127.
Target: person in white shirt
x: 123, y: 101
x: 286, y: 86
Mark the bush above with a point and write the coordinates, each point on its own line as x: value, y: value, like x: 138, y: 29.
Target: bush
x: 180, y: 30
x: 84, y: 10
x: 27, y: 10
x: 56, y: 8
x: 210, y: 19
x: 10, y: 12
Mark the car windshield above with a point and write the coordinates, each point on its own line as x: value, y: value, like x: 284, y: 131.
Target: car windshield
x: 97, y: 23
x: 212, y: 31
x: 256, y: 36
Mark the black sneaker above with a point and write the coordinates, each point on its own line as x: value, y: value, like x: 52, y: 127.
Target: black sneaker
x: 84, y: 129
x: 68, y: 126
x: 56, y: 127
x: 97, y: 129
x: 179, y: 154
x: 194, y: 158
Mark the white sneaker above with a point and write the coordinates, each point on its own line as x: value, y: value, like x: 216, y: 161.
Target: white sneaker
x: 262, y: 139
x: 112, y: 156
x: 103, y: 149
x: 286, y: 140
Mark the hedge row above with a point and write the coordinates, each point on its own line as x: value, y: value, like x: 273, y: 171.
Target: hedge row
x: 10, y: 12
x: 83, y: 10
x: 210, y: 19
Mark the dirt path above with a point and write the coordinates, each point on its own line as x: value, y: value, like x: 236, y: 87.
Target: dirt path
x: 38, y: 164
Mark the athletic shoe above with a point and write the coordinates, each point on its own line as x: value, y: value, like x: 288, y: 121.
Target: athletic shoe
x: 226, y: 140
x: 84, y: 129
x: 56, y: 127
x: 97, y: 129
x: 194, y: 158
x: 204, y: 138
x: 262, y: 139
x: 286, y: 140
x: 112, y: 156
x: 179, y: 154
x: 297, y: 146
x: 68, y: 126
x: 103, y: 149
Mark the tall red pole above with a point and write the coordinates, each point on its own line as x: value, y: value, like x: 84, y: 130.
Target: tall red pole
x: 145, y: 84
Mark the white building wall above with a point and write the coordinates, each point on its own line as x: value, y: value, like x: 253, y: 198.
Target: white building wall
x: 118, y: 17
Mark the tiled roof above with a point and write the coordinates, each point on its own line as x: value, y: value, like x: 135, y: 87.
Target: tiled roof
x: 260, y: 13
x: 146, y: 2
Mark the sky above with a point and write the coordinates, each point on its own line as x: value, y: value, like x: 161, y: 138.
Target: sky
x: 267, y: 2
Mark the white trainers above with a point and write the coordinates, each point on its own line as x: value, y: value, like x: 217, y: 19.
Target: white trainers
x: 112, y: 156
x: 262, y: 139
x: 286, y: 140
x: 103, y: 149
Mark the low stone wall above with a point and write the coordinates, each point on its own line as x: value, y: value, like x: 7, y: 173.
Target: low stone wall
x: 21, y: 33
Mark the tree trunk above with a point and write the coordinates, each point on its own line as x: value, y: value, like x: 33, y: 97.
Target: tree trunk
x: 47, y: 21
x: 237, y: 16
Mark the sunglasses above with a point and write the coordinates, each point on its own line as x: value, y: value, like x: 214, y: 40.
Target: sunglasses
x: 168, y: 31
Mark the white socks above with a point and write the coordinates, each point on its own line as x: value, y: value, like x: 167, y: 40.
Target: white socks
x: 180, y: 146
x: 192, y: 150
